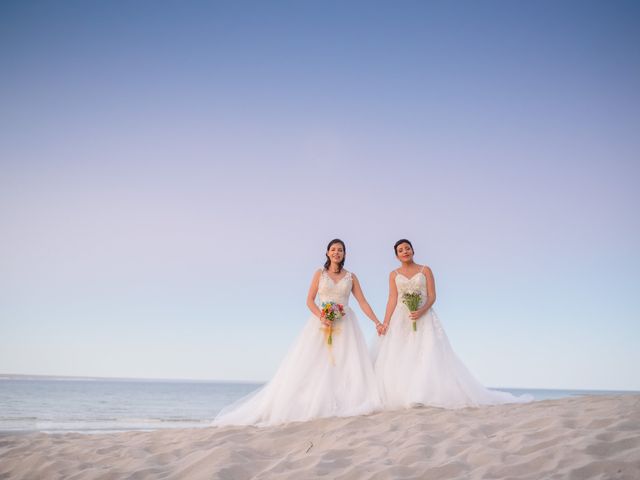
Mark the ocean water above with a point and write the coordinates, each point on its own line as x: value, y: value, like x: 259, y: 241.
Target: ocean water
x: 105, y: 405
x: 102, y: 405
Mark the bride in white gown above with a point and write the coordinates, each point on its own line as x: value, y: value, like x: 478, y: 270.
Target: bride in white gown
x: 318, y: 377
x: 416, y: 365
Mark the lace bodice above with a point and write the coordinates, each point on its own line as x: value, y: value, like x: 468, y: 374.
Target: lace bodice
x: 330, y: 291
x: 416, y: 283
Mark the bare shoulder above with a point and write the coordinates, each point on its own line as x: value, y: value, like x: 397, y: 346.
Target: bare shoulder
x: 393, y: 274
x: 427, y: 270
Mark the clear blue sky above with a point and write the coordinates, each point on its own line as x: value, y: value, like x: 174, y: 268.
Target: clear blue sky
x: 170, y: 174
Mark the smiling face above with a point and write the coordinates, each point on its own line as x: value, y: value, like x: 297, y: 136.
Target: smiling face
x: 404, y: 252
x: 336, y: 252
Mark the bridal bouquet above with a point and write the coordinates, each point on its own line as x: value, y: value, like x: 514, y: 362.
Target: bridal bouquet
x: 412, y: 301
x: 331, y: 311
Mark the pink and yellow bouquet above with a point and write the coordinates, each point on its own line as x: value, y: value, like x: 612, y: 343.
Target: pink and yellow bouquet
x: 331, y: 311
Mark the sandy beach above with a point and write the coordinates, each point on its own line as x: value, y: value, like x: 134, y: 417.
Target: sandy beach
x: 594, y: 437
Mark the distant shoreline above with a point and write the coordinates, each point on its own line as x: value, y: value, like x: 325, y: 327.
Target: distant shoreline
x: 26, y: 377
x: 13, y: 376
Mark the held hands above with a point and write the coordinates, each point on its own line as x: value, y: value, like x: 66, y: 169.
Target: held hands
x: 381, y: 328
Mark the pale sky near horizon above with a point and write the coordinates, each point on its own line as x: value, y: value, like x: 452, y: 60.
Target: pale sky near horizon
x: 170, y: 175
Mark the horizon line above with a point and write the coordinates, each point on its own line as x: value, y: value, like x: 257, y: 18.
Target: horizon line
x: 24, y: 376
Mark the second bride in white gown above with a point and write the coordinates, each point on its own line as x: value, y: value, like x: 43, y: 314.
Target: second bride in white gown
x: 414, y: 362
x: 318, y: 377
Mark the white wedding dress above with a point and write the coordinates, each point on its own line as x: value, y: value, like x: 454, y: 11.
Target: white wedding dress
x: 315, y: 379
x: 420, y: 367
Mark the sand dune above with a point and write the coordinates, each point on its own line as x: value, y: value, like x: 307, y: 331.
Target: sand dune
x: 574, y: 438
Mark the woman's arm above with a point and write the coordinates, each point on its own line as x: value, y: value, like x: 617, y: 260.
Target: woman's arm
x: 431, y: 295
x: 364, y: 305
x: 311, y: 297
x: 391, y: 301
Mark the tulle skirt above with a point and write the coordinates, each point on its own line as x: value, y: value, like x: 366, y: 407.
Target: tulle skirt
x: 314, y: 380
x: 420, y: 367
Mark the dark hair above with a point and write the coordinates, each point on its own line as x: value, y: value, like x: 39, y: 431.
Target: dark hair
x: 400, y: 242
x: 327, y: 264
